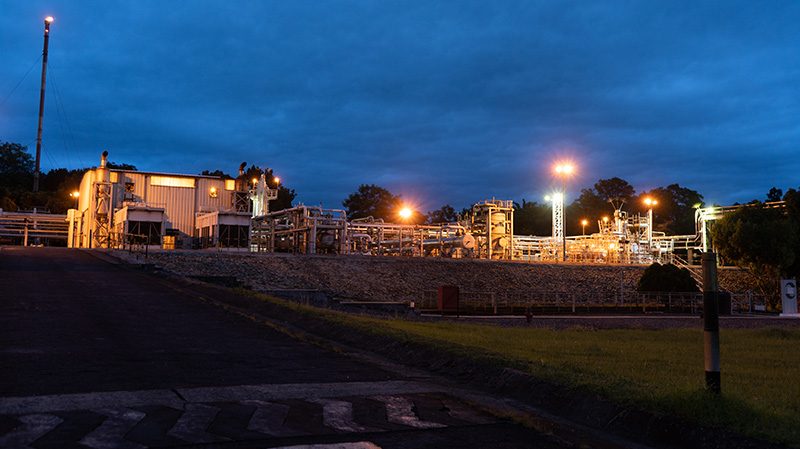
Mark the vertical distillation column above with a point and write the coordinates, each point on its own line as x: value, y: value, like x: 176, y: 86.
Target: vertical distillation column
x: 102, y: 200
x: 102, y: 205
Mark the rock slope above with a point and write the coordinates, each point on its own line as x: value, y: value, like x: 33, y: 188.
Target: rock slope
x: 405, y: 279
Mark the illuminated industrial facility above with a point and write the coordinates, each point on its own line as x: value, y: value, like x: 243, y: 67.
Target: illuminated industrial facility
x: 116, y: 208
x: 163, y: 210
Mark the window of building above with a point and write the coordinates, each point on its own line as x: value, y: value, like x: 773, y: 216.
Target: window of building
x: 230, y: 184
x: 171, y: 181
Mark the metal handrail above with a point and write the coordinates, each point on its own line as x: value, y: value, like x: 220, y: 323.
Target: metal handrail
x: 136, y: 243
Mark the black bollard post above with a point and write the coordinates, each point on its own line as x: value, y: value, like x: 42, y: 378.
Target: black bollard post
x: 711, y: 322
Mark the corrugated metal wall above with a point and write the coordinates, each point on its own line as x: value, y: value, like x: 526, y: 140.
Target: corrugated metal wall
x: 205, y: 203
x: 178, y: 203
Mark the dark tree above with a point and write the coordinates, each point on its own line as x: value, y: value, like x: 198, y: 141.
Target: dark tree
x: 122, y: 166
x: 674, y: 213
x: 372, y: 201
x: 25, y: 200
x: 16, y: 181
x: 444, y: 215
x: 598, y: 202
x: 774, y: 195
x: 16, y: 166
x: 533, y: 218
x: 7, y: 202
x: 284, y: 200
x: 614, y: 190
x: 62, y: 179
x: 219, y: 173
x: 763, y: 239
x: 591, y: 205
x: 792, y: 198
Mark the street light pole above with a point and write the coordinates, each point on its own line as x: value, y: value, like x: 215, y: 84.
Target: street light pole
x: 564, y: 218
x: 650, y: 203
x: 41, y: 103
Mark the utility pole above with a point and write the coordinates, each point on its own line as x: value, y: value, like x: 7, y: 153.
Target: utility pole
x: 711, y: 322
x: 41, y: 103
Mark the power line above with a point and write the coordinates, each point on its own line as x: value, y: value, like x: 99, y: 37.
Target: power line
x: 50, y: 156
x: 56, y: 99
x: 21, y: 80
x: 60, y: 103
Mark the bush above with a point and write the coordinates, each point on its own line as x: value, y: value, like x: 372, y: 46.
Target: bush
x: 666, y: 278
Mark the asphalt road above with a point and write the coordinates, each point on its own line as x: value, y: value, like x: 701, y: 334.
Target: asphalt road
x: 95, y: 354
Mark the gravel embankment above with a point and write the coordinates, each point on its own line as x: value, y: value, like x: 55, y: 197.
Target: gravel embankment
x: 404, y: 279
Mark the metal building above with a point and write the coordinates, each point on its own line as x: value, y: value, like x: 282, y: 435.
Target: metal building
x: 162, y: 209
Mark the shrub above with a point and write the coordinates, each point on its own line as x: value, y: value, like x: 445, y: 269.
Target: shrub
x: 666, y: 278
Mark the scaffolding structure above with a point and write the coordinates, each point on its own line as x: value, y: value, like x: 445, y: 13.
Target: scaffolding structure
x: 626, y: 239
x: 487, y: 233
x: 314, y: 230
x: 375, y: 237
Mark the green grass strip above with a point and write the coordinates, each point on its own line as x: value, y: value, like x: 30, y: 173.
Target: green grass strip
x: 660, y: 370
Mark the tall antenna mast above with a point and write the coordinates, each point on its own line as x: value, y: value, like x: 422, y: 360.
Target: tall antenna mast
x: 41, y: 104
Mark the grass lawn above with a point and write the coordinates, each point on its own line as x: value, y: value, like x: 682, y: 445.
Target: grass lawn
x: 661, y: 370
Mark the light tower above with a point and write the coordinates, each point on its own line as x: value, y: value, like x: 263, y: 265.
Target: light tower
x: 558, y: 221
x: 563, y: 170
x: 41, y: 104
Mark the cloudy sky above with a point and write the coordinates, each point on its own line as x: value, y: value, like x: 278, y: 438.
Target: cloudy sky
x: 444, y: 102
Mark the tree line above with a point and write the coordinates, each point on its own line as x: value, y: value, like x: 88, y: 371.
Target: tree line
x: 16, y: 183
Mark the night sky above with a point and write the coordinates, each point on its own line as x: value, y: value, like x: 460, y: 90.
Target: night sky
x: 444, y: 102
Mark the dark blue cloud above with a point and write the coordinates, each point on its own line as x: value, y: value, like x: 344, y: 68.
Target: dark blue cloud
x: 444, y: 102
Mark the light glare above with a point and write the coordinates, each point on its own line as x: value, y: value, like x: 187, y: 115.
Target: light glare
x: 565, y: 169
